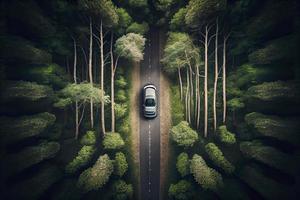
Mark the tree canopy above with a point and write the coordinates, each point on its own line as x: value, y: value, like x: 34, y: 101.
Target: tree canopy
x: 183, y: 135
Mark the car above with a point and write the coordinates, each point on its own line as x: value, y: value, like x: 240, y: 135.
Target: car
x: 149, y: 101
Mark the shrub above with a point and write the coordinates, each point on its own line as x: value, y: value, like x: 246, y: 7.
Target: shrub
x: 89, y: 138
x: 124, y: 127
x: 121, y: 82
x: 142, y: 28
x: 121, y: 164
x: 97, y: 176
x: 182, y: 190
x: 122, y: 190
x: 176, y: 106
x: 183, y: 135
x: 216, y: 155
x: 62, y: 103
x: 120, y: 110
x: 113, y: 141
x: 83, y: 157
x: 207, y: 177
x: 182, y: 164
x: 235, y: 104
x: 225, y: 136
x: 121, y: 96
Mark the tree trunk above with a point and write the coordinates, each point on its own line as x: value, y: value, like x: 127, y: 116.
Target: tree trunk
x: 191, y: 103
x: 224, y: 80
x: 216, y: 78
x: 198, y: 97
x: 205, y: 81
x: 186, y: 97
x: 75, y: 81
x: 102, y: 79
x: 180, y: 83
x: 91, y: 72
x: 112, y: 84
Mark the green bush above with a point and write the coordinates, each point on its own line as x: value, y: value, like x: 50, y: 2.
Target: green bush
x: 183, y: 164
x: 124, y: 127
x: 113, y: 141
x: 83, y: 157
x: 97, y: 176
x: 176, y: 106
x: 121, y: 164
x: 121, y: 82
x: 30, y: 156
x: 235, y: 104
x: 216, y: 155
x: 62, y: 103
x: 225, y: 136
x: 207, y: 177
x: 17, y: 129
x: 183, y: 135
x: 182, y: 190
x: 89, y: 138
x: 122, y: 190
x: 142, y: 28
x: 120, y: 110
x: 121, y: 96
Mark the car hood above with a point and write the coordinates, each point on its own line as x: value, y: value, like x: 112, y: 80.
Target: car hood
x: 150, y: 109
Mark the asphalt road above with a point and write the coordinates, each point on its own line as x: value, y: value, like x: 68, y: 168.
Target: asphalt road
x: 150, y: 129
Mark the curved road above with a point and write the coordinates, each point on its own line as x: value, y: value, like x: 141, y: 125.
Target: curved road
x: 150, y: 129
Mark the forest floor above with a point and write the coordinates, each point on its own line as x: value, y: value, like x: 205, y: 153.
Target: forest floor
x: 165, y: 125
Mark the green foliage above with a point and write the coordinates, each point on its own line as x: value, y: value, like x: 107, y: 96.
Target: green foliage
x: 15, y: 49
x: 207, y: 177
x: 62, y: 103
x: 216, y: 155
x: 182, y: 190
x: 120, y: 110
x: 121, y: 164
x: 121, y: 96
x: 235, y: 104
x: 138, y: 28
x: 30, y: 156
x: 164, y: 5
x: 122, y: 190
x: 124, y: 127
x: 178, y: 20
x: 113, y: 141
x: 176, y: 106
x: 89, y: 138
x: 97, y: 176
x: 183, y: 164
x: 83, y: 157
x: 225, y: 136
x: 17, y: 129
x: 130, y: 46
x: 183, y: 135
x: 199, y: 11
x: 138, y: 3
x: 124, y: 20
x: 121, y: 82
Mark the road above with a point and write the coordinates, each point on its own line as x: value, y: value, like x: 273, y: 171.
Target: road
x: 150, y: 129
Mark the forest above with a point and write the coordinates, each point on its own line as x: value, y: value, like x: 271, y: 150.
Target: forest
x: 71, y: 110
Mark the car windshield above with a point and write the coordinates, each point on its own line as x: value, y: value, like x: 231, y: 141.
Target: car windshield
x: 149, y: 102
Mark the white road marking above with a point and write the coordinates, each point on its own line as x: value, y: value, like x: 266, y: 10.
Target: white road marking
x: 149, y: 164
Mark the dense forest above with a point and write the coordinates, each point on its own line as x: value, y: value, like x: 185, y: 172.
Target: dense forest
x: 67, y: 70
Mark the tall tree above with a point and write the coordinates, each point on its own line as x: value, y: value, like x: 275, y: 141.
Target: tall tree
x: 216, y: 76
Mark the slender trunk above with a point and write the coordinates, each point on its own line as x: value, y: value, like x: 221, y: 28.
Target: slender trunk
x: 112, y: 84
x: 188, y: 93
x: 216, y: 78
x: 191, y: 103
x: 198, y: 97
x: 102, y: 79
x: 180, y: 83
x: 205, y: 81
x: 91, y: 72
x: 224, y: 80
x: 186, y: 97
x: 75, y: 81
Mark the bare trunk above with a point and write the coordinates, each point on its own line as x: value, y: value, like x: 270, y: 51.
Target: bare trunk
x: 91, y: 72
x: 180, y: 83
x: 224, y: 80
x: 205, y: 81
x: 75, y: 81
x: 188, y: 94
x: 102, y: 79
x: 112, y: 84
x: 186, y: 97
x: 197, y: 97
x: 191, y: 93
x: 216, y: 78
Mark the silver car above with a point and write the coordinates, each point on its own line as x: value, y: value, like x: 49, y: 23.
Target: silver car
x: 150, y: 101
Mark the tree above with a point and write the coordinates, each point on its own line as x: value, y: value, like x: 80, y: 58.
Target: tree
x: 178, y: 20
x: 182, y: 164
x: 113, y: 141
x: 184, y: 135
x: 122, y: 190
x: 97, y: 176
x: 121, y: 164
x: 182, y: 190
x: 225, y: 136
x: 138, y: 28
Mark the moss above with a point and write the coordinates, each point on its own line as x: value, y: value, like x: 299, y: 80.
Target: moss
x: 216, y: 155
x: 15, y: 49
x: 208, y: 178
x: 34, y: 187
x: 82, y: 159
x: 283, y: 129
x: 176, y: 106
x: 225, y: 136
x: 268, y: 188
x: 267, y: 155
x: 113, y: 141
x: 89, y: 138
x: 183, y: 135
x: 274, y: 97
x: 31, y: 156
x: 97, y: 176
x: 16, y: 129
x: 183, y: 164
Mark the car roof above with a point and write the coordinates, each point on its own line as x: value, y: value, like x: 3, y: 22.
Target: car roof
x: 149, y: 92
